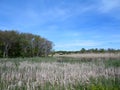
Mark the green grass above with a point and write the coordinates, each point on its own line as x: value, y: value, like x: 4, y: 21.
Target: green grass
x: 110, y: 63
x: 34, y: 59
x: 104, y: 84
x: 107, y: 62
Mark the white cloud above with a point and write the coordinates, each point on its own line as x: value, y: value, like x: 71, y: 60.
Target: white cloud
x: 78, y: 43
x: 109, y: 5
x: 71, y: 33
x: 63, y: 13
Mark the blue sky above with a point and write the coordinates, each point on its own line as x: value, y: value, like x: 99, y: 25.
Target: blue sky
x: 69, y: 24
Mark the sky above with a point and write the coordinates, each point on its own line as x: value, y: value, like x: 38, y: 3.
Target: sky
x: 69, y: 24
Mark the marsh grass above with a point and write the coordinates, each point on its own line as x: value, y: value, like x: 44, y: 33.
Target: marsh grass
x: 59, y: 73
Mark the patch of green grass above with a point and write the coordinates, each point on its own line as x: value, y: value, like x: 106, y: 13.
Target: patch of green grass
x: 32, y: 59
x: 73, y: 60
x: 114, y: 63
x: 104, y: 84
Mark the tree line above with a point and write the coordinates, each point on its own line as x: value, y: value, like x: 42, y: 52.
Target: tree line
x: 93, y: 50
x: 16, y: 44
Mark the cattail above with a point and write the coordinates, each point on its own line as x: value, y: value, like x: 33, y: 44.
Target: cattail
x: 20, y: 83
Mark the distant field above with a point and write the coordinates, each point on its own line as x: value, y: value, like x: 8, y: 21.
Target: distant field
x: 61, y: 72
x: 91, y: 55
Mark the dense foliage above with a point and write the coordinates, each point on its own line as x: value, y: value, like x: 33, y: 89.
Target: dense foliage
x: 15, y: 44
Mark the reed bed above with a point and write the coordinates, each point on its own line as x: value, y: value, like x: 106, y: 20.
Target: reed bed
x: 92, y: 55
x: 29, y: 75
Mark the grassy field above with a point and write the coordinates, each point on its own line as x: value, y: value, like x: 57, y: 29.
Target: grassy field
x: 61, y: 72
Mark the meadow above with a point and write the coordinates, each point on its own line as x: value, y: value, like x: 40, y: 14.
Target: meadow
x: 62, y: 72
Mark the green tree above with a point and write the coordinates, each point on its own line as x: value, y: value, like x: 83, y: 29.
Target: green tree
x: 83, y: 50
x: 15, y: 44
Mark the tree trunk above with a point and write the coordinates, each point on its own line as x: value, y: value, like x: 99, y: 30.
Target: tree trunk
x: 5, y: 54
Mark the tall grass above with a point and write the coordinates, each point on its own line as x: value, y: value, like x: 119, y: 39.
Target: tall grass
x: 63, y: 73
